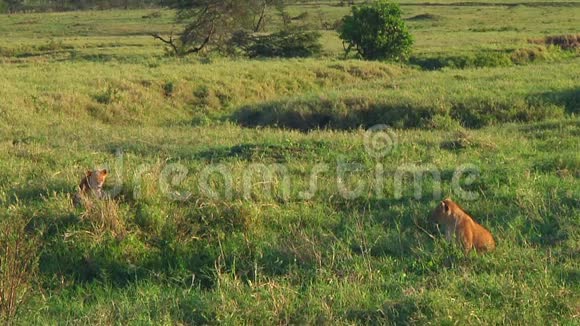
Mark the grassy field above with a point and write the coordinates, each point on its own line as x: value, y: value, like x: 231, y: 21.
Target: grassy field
x: 216, y: 213
x: 124, y: 35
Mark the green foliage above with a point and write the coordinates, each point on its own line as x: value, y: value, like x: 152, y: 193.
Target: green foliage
x: 108, y: 95
x: 485, y: 58
x: 210, y: 23
x: 168, y: 88
x: 376, y: 32
x: 478, y: 60
x: 285, y: 44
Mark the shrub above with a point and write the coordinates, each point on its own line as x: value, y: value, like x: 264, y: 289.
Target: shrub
x: 285, y: 44
x: 168, y: 88
x: 108, y: 95
x: 376, y: 32
x: 206, y: 97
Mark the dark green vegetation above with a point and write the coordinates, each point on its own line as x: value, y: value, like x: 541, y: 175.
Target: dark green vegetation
x: 284, y: 44
x: 85, y: 89
x: 376, y: 32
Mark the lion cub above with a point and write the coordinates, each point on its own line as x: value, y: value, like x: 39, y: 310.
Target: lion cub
x: 91, y: 184
x: 468, y: 232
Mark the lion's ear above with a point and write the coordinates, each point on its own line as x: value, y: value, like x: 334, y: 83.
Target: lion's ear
x: 89, y: 173
x: 104, y: 172
x: 445, y: 207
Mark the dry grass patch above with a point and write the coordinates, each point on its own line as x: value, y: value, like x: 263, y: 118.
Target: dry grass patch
x: 103, y: 216
x: 566, y: 42
x: 18, y: 265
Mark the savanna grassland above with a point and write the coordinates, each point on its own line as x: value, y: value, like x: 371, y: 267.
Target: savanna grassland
x: 183, y: 240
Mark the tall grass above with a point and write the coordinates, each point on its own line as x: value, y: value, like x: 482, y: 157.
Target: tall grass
x: 18, y: 262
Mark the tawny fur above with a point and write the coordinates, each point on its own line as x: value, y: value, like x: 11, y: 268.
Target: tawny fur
x: 457, y: 222
x: 91, y: 184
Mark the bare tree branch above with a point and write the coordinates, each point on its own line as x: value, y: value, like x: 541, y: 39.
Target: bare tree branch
x: 170, y: 41
x: 205, y: 41
x: 261, y: 17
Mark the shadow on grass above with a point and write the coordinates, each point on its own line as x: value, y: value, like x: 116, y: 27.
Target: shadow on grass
x: 338, y: 113
x: 352, y: 112
x: 82, y: 260
x: 569, y: 99
x: 552, y: 129
x: 264, y: 153
x: 184, y: 249
x: 395, y: 312
x: 145, y: 149
x: 30, y: 194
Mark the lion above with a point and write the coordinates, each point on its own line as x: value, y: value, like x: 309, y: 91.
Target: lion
x: 457, y: 222
x: 91, y: 185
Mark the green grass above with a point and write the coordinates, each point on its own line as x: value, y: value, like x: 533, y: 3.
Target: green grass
x: 263, y: 255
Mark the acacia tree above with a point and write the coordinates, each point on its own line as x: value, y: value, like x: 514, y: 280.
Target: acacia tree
x: 212, y: 22
x: 376, y: 32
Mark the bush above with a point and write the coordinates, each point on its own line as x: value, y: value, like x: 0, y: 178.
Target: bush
x: 108, y: 95
x: 285, y: 44
x: 376, y: 32
x: 168, y: 88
